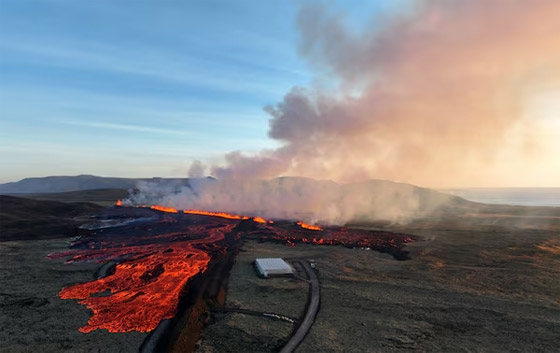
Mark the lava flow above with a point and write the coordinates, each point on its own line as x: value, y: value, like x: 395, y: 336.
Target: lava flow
x: 155, y: 262
x: 308, y: 226
x: 215, y: 214
x: 164, y: 209
x: 149, y: 277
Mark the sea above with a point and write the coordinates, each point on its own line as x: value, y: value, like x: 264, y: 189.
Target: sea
x: 510, y: 196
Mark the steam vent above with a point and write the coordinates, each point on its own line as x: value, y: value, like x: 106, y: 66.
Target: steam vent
x: 267, y: 267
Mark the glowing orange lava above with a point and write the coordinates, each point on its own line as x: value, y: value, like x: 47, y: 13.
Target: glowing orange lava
x: 154, y: 266
x: 145, y: 287
x: 215, y: 214
x: 309, y: 226
x: 164, y: 209
x: 209, y: 213
x: 261, y: 220
x: 118, y: 203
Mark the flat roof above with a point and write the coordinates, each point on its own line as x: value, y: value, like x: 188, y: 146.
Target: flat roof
x: 273, y: 266
x: 273, y: 263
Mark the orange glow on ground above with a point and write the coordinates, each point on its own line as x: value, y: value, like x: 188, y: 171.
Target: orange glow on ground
x: 261, y: 220
x: 309, y: 226
x: 164, y: 209
x: 153, y: 267
x: 215, y: 214
x: 209, y: 213
x: 118, y: 203
x: 146, y: 287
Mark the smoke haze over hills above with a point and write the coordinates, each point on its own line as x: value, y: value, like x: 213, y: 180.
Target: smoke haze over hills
x: 442, y: 95
x: 321, y: 201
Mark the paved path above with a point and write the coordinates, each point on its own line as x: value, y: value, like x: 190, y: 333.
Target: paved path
x: 312, y: 307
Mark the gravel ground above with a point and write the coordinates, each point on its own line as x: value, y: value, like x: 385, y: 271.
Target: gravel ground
x: 475, y: 284
x: 33, y: 318
x: 280, y: 295
x: 463, y: 291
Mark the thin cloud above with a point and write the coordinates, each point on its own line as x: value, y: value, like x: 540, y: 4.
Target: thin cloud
x: 171, y: 67
x: 127, y: 127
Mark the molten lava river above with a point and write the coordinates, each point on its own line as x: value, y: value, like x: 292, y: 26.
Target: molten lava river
x: 155, y: 259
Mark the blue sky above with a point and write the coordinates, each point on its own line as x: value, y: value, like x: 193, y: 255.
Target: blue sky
x: 142, y: 88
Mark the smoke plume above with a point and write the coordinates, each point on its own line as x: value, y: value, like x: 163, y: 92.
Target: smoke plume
x: 314, y: 201
x: 434, y: 96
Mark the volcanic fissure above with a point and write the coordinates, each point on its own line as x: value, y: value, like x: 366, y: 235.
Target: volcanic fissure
x: 171, y: 271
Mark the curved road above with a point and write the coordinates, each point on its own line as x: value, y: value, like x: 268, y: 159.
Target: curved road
x: 312, y: 308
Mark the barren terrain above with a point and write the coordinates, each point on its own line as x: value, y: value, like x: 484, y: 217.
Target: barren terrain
x: 459, y: 292
x: 475, y: 281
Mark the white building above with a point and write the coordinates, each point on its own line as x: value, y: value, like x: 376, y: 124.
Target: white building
x: 267, y: 267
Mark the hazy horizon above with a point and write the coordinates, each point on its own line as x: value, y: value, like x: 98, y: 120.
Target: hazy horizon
x: 557, y: 186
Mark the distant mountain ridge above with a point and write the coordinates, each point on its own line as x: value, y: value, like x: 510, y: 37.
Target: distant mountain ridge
x: 52, y: 184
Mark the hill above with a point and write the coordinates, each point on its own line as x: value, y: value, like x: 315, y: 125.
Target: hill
x: 24, y: 219
x: 103, y: 197
x: 53, y: 184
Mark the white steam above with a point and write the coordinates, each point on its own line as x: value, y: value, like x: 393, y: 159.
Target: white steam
x: 433, y: 97
x: 324, y: 202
